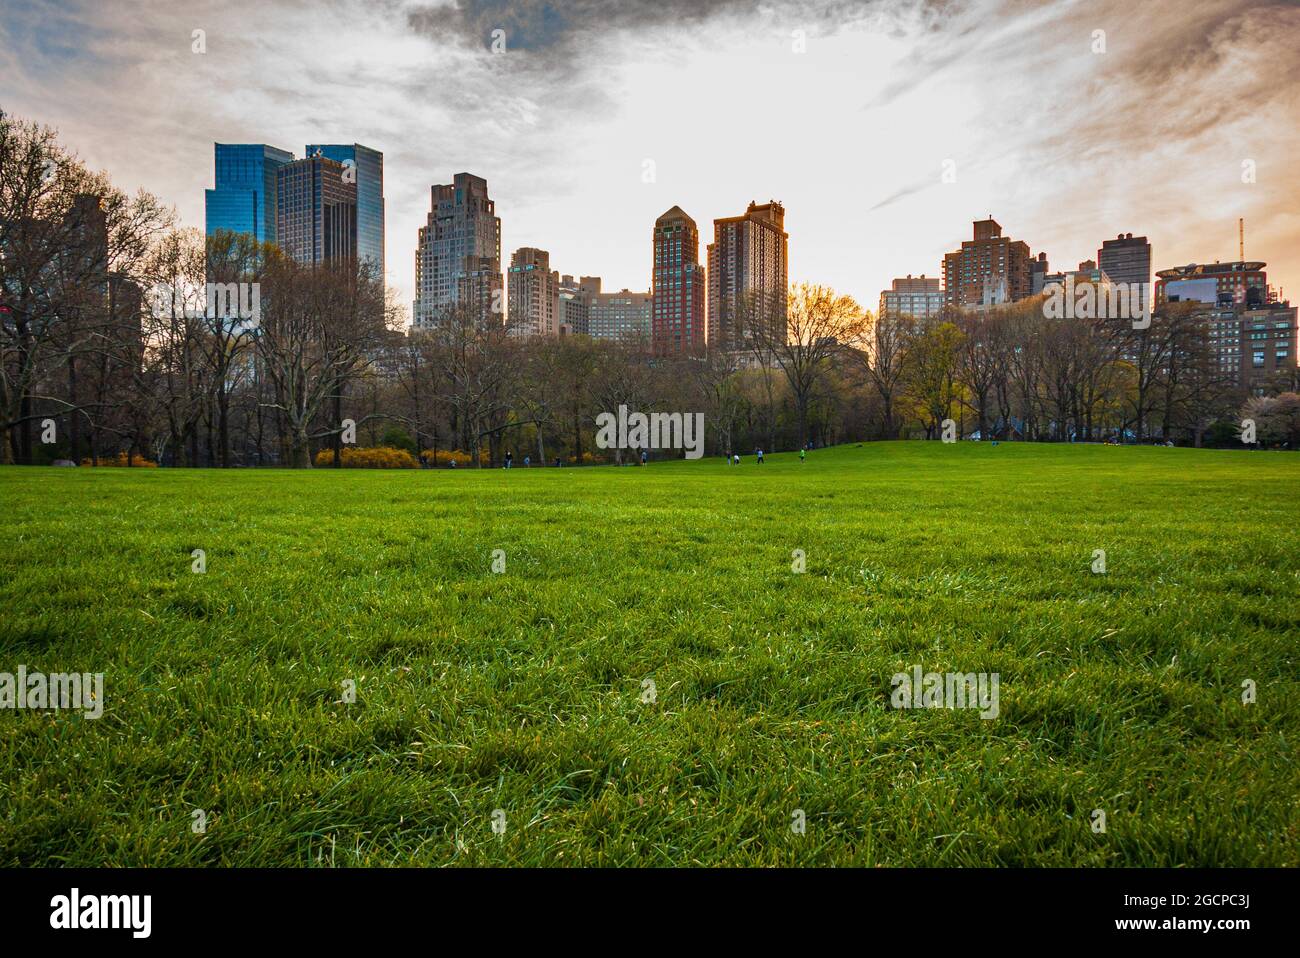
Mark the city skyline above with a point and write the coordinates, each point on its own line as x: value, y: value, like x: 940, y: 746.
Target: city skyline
x: 1147, y: 137
x: 649, y: 434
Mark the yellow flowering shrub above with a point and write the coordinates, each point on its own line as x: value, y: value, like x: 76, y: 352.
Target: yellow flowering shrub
x: 120, y: 460
x: 445, y: 456
x: 373, y: 457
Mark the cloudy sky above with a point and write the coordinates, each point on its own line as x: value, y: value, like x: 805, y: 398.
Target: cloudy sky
x: 847, y: 112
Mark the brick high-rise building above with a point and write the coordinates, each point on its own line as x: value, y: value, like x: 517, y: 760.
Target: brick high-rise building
x: 459, y: 249
x: 316, y: 210
x: 532, y: 294
x: 920, y: 297
x: 747, y: 271
x: 1253, y: 336
x: 988, y: 270
x: 1268, y: 346
x: 677, y: 324
x: 1252, y: 348
x: 1126, y: 259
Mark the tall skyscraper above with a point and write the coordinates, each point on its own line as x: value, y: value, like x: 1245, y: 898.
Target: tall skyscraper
x: 747, y: 271
x: 462, y: 236
x: 677, y: 325
x: 366, y: 167
x: 1126, y: 259
x: 244, y: 198
x: 316, y: 214
x: 920, y: 297
x: 532, y: 294
x: 989, y: 270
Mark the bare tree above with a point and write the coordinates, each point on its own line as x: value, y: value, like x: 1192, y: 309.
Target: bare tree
x: 715, y: 381
x: 51, y: 268
x: 319, y: 325
x: 477, y: 362
x: 820, y: 323
x: 173, y: 331
x: 623, y: 378
x: 542, y: 391
x: 884, y: 359
x: 575, y: 375
x: 980, y: 359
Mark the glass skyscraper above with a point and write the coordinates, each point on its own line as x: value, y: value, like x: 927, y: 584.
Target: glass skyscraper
x: 244, y: 198
x: 317, y: 210
x: 368, y: 165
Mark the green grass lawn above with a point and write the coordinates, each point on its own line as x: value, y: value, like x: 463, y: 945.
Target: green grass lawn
x: 523, y: 691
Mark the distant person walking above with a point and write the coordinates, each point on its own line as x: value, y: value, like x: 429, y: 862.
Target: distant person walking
x: 528, y: 461
x: 644, y: 457
x: 759, y: 454
x: 557, y: 462
x: 803, y: 454
x: 510, y: 459
x: 737, y: 458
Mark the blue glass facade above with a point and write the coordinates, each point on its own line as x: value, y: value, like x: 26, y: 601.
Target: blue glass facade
x: 369, y: 166
x: 244, y: 198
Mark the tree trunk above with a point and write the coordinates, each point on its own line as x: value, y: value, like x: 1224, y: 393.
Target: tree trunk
x: 577, y: 436
x: 25, y: 431
x: 300, y: 452
x: 74, y: 417
x: 337, y: 442
x: 223, y: 425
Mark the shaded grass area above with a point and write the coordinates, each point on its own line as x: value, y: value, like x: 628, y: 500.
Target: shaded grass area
x: 523, y: 691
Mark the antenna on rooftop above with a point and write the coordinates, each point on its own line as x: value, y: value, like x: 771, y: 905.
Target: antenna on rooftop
x: 1241, y: 238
